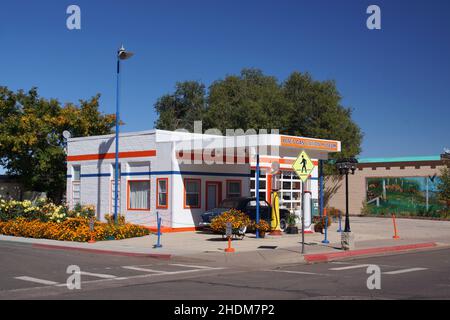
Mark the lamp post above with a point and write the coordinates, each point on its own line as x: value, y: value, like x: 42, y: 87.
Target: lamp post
x: 122, y: 54
x: 344, y: 166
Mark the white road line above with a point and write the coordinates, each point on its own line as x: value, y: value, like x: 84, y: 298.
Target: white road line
x: 143, y: 269
x: 144, y: 276
x: 405, y: 270
x: 298, y: 272
x: 36, y: 280
x: 190, y: 266
x: 98, y: 275
x: 351, y: 267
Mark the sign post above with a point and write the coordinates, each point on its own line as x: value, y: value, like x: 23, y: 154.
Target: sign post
x: 229, y: 234
x: 91, y: 229
x: 303, y: 166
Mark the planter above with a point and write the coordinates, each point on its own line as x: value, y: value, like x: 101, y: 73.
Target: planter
x: 262, y: 234
x: 318, y: 228
x: 292, y: 230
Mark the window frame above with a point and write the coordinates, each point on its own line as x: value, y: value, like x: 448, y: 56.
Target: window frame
x: 199, y: 181
x: 149, y: 195
x: 158, y: 205
x: 227, y: 194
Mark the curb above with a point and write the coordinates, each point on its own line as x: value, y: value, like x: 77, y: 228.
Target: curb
x: 325, y: 257
x: 109, y: 252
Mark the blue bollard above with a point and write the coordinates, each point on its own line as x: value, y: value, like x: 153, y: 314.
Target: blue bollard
x: 326, y: 231
x: 158, y: 223
x: 339, y: 229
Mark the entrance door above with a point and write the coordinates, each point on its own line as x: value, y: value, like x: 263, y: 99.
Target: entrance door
x: 213, y: 194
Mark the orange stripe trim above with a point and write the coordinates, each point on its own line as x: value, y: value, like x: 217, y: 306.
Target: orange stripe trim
x: 102, y: 156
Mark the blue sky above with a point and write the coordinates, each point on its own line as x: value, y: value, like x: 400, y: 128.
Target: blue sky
x: 396, y: 79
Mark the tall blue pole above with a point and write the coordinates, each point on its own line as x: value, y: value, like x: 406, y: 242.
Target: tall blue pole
x: 257, y: 194
x: 321, y: 187
x: 116, y: 165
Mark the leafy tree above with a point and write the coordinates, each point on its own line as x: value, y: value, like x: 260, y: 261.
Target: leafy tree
x: 31, y: 142
x: 443, y: 186
x: 299, y: 106
x: 182, y: 108
x: 251, y: 100
x: 316, y: 111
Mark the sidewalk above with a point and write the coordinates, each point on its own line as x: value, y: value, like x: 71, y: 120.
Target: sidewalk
x: 203, y: 246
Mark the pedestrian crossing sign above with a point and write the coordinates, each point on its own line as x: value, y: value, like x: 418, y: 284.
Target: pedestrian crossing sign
x: 303, y: 166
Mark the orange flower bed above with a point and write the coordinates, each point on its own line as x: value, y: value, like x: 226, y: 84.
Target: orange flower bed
x: 74, y: 229
x: 237, y: 219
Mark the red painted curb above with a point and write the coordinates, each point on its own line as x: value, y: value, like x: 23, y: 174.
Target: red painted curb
x: 110, y: 252
x: 324, y: 257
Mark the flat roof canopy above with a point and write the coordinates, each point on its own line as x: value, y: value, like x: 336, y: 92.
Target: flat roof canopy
x: 267, y: 144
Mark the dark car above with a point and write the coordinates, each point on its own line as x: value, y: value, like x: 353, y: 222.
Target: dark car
x: 248, y: 206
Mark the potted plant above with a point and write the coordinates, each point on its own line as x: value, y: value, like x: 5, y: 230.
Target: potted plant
x: 239, y: 222
x: 292, y: 227
x: 262, y: 227
x: 319, y: 223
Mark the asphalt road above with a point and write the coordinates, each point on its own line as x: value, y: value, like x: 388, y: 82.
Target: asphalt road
x: 31, y: 273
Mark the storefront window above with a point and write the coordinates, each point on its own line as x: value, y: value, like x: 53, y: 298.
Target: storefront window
x: 233, y: 189
x: 192, y: 193
x: 139, y: 195
x: 162, y: 193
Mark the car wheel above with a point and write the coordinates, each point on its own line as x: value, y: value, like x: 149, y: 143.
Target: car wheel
x: 283, y: 224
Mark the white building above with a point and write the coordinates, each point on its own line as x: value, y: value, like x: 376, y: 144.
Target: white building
x: 178, y: 174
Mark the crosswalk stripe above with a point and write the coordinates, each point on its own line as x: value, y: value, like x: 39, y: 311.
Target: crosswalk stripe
x: 143, y: 269
x: 405, y: 270
x: 98, y: 275
x: 36, y: 280
x: 298, y: 272
x: 351, y: 267
x: 190, y: 266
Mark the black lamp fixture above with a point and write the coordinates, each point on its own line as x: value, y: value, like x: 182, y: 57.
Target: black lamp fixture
x: 345, y: 166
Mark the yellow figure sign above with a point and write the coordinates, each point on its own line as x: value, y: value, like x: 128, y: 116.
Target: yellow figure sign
x: 303, y: 166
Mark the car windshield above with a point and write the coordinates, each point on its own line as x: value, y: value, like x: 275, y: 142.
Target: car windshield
x: 229, y: 203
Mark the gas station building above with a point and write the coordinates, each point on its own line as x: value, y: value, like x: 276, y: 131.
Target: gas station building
x: 181, y: 174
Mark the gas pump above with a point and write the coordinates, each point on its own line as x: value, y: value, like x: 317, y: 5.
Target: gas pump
x: 276, y: 185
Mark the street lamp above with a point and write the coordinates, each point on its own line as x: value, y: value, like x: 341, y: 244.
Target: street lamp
x: 122, y: 54
x: 344, y: 166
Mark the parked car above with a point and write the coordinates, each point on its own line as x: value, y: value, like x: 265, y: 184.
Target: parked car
x: 248, y: 206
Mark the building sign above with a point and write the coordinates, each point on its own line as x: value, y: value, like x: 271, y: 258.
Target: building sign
x: 307, y: 143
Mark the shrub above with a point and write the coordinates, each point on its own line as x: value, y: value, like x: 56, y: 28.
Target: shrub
x: 291, y: 220
x: 110, y: 219
x: 72, y: 229
x: 262, y: 226
x: 237, y: 218
x: 319, y: 222
x: 86, y: 211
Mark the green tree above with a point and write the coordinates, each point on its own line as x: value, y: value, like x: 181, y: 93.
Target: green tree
x: 443, y: 186
x: 182, y: 108
x: 298, y: 106
x: 31, y: 142
x: 251, y: 100
x: 316, y: 111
